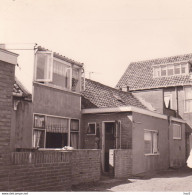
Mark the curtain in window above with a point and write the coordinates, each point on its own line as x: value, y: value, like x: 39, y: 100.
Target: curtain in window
x: 188, y: 99
x: 74, y: 125
x: 74, y: 140
x: 167, y: 100
x: 147, y: 142
x: 57, y: 125
x: 155, y: 147
x: 38, y: 138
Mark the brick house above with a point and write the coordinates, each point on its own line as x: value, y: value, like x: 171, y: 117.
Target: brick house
x: 34, y: 170
x: 117, y: 120
x: 49, y: 116
x: 166, y: 84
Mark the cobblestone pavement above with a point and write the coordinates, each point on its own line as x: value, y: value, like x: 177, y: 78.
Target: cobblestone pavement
x: 171, y: 180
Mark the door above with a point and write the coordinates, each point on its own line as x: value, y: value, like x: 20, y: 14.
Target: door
x: 108, y: 142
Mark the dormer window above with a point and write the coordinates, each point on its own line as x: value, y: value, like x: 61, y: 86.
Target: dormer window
x: 55, y: 72
x: 170, y: 70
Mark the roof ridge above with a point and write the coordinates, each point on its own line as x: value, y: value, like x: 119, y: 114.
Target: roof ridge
x: 162, y: 58
x: 108, y: 87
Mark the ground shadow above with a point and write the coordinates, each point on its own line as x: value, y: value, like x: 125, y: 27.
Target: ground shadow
x: 106, y: 183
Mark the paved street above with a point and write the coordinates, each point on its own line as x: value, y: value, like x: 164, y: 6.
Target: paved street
x: 175, y: 180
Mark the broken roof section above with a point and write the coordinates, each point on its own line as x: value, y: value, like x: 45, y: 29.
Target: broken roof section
x: 97, y: 95
x: 20, y: 91
x: 139, y: 75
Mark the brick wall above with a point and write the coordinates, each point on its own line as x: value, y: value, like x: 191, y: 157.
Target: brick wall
x: 89, y: 140
x: 6, y: 86
x: 86, y: 166
x: 121, y: 161
x: 49, y: 170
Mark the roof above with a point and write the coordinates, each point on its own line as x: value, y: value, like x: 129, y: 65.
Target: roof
x: 97, y: 95
x: 20, y: 91
x: 139, y: 75
x: 61, y: 57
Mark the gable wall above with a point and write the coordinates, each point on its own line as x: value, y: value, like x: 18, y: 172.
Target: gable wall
x: 154, y: 97
x: 144, y: 163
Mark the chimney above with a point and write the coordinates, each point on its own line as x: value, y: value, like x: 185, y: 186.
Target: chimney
x: 2, y: 46
x: 125, y: 89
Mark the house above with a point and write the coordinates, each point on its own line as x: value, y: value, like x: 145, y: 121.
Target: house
x: 49, y: 115
x: 167, y: 84
x: 22, y: 114
x: 117, y: 120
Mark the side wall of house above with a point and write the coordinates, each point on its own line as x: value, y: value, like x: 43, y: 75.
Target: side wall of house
x: 142, y: 162
x: 89, y: 141
x: 7, y: 72
x: 56, y: 102
x: 22, y: 120
x: 154, y: 97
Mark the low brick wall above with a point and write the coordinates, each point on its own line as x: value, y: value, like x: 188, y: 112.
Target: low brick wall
x: 121, y: 162
x: 86, y: 166
x: 49, y: 170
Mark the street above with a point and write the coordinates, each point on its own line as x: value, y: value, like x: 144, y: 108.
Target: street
x: 171, y: 180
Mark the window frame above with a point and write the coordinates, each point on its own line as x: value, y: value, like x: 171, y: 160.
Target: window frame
x: 177, y: 138
x: 90, y: 123
x: 51, y: 67
x: 185, y: 111
x: 171, y: 99
x: 167, y: 67
x: 152, y: 149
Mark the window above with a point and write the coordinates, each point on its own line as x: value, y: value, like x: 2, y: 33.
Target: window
x: 55, y: 72
x: 188, y: 99
x: 168, y: 100
x: 150, y: 141
x: 171, y: 69
x: 176, y: 131
x: 177, y: 69
x: 184, y: 68
x: 61, y: 74
x: 156, y: 71
x: 74, y: 136
x: 91, y: 129
x: 39, y: 131
x: 44, y: 65
x: 50, y: 132
x: 163, y: 70
x: 75, y: 79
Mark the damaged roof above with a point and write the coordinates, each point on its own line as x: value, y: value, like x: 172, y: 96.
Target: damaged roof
x: 20, y: 91
x: 139, y: 75
x: 97, y: 95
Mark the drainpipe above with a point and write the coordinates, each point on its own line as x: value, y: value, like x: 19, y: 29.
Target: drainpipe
x: 177, y: 102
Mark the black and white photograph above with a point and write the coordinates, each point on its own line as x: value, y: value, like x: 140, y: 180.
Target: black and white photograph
x: 95, y: 96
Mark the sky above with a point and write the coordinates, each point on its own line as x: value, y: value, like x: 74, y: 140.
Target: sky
x: 105, y: 35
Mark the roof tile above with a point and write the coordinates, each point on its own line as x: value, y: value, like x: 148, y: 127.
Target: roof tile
x: 139, y: 75
x: 102, y: 96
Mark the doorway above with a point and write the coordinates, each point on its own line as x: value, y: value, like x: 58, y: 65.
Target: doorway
x: 108, y: 142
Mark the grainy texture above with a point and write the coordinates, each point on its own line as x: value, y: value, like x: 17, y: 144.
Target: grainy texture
x: 139, y: 75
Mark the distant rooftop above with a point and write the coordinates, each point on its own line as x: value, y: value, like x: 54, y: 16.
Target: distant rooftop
x: 139, y: 75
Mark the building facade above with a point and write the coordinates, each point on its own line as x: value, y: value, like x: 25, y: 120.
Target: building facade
x: 167, y: 84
